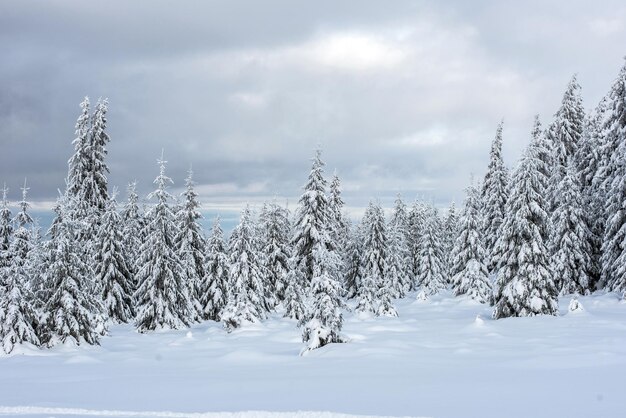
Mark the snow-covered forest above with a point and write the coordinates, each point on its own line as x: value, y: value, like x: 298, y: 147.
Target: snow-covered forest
x: 552, y: 227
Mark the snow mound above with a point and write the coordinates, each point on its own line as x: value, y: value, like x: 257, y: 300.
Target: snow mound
x: 575, y: 306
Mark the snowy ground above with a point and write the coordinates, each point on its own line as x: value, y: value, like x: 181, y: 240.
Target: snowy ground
x: 437, y: 359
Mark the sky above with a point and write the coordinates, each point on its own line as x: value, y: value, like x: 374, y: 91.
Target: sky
x: 402, y: 96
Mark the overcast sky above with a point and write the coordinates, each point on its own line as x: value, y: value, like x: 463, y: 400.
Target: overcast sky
x: 403, y: 96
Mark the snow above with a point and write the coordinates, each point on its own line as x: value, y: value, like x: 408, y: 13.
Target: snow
x: 444, y: 357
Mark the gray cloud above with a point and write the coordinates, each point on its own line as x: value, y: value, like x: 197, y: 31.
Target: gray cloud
x: 403, y: 97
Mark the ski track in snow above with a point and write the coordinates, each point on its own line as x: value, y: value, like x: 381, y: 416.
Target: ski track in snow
x: 41, y: 411
x: 443, y: 358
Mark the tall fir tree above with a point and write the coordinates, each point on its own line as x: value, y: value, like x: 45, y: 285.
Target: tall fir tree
x: 450, y: 233
x: 432, y: 273
x: 214, y: 290
x: 469, y: 273
x: 190, y: 242
x: 372, y: 258
x: 112, y: 270
x: 6, y: 228
x: 338, y: 222
x: 613, y: 177
x: 569, y: 238
x: 352, y: 261
x: 400, y: 260
x: 23, y: 221
x: 494, y: 195
x: 312, y: 219
x: 276, y: 249
x: 248, y: 303
x: 96, y: 184
x: 525, y: 284
x: 417, y: 225
x: 133, y: 222
x: 294, y: 293
x: 163, y: 292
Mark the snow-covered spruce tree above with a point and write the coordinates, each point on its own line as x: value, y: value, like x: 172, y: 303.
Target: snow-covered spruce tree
x: 324, y: 319
x: 399, y: 256
x: 112, y: 271
x: 588, y: 161
x: 352, y: 261
x: 569, y: 238
x: 312, y: 219
x: 613, y: 176
x: 432, y: 275
x: 525, y: 285
x: 294, y: 297
x: 248, y: 303
x: 6, y: 228
x: 162, y: 296
x: 80, y: 166
x: 335, y: 210
x: 72, y: 312
x: 564, y: 135
x: 96, y: 188
x: 469, y: 274
x: 21, y: 244
x: 417, y: 224
x: 214, y: 292
x: 275, y: 248
x: 494, y: 195
x: 132, y: 232
x: 190, y: 242
x: 18, y: 319
x: 450, y: 233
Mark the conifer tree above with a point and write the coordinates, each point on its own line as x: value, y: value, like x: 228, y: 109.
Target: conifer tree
x: 276, y: 249
x: 112, y: 271
x: 613, y: 175
x: 190, y: 242
x: 294, y: 297
x: 248, y: 303
x: 417, y: 225
x: 6, y: 229
x: 96, y: 184
x: 450, y: 232
x: 132, y: 232
x: 469, y: 274
x: 569, y: 238
x: 80, y: 167
x: 400, y: 261
x: 163, y: 293
x: 335, y: 209
x: 72, y: 312
x: 214, y: 293
x: 21, y: 245
x: 352, y: 263
x: 432, y: 275
x: 312, y: 219
x: 372, y: 258
x: 494, y: 195
x: 524, y: 284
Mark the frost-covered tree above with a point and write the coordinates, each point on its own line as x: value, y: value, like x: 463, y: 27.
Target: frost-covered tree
x: 72, y: 312
x: 432, y: 275
x: 372, y: 258
x: 21, y: 244
x: 335, y: 212
x: 112, y: 271
x: 569, y: 238
x: 214, y: 292
x: 399, y: 256
x: 312, y: 219
x: 6, y: 228
x: 469, y: 273
x: 352, y: 261
x: 294, y: 297
x: 163, y: 293
x: 276, y: 249
x: 248, y: 303
x: 80, y: 166
x: 417, y: 224
x: 494, y: 195
x: 132, y: 231
x: 524, y: 284
x: 96, y: 189
x: 613, y: 177
x: 324, y: 319
x: 450, y: 233
x: 190, y: 242
x: 18, y: 319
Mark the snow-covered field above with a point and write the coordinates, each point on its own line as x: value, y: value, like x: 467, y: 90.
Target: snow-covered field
x: 441, y: 358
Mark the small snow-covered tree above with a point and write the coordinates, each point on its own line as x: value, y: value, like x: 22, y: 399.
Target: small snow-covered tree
x: 294, y: 297
x: 339, y: 225
x: 72, y: 312
x: 450, y: 233
x: 399, y: 256
x: 432, y: 275
x: 112, y: 271
x: 569, y: 238
x: 214, y: 292
x: 190, y: 242
x: 248, y: 303
x: 352, y: 263
x: 163, y: 292
x: 21, y: 244
x: 372, y: 259
x: 6, y: 228
x: 132, y: 232
x: 469, y: 274
x: 525, y: 284
x: 276, y: 249
x: 417, y: 224
x: 494, y: 195
x: 324, y: 319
